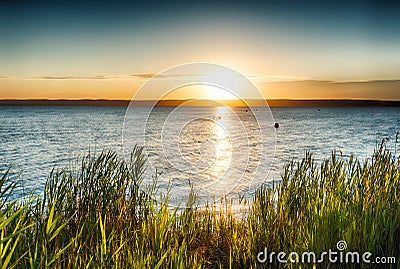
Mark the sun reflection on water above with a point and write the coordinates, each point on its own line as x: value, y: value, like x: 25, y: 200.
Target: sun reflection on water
x: 222, y: 143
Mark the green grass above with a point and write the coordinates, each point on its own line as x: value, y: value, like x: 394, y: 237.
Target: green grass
x: 101, y: 216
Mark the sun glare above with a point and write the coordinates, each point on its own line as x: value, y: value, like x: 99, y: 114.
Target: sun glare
x: 205, y: 92
x: 215, y: 93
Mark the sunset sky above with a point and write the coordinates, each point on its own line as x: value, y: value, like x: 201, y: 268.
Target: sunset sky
x: 100, y: 50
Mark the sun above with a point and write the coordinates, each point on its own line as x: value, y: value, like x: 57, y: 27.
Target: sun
x: 216, y: 93
x: 200, y: 91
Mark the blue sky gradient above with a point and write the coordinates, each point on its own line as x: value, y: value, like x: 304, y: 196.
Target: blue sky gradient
x: 337, y: 41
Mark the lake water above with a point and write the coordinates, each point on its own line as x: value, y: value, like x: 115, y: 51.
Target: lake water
x: 214, y: 149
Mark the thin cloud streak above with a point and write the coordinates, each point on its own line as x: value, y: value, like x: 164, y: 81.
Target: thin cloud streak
x: 96, y: 77
x: 329, y: 89
x: 141, y: 76
x: 275, y: 77
x: 260, y: 78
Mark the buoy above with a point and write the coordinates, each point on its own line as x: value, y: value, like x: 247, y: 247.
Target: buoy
x: 276, y: 125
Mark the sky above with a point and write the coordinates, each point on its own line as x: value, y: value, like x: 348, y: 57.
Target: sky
x: 105, y: 50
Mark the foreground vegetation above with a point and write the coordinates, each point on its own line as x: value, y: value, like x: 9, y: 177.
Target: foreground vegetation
x: 102, y: 217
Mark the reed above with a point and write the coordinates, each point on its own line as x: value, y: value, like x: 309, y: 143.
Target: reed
x: 102, y: 216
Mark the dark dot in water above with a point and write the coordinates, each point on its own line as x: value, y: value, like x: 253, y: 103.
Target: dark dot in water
x: 276, y: 125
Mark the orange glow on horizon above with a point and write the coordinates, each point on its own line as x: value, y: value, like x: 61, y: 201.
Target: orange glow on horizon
x: 205, y: 92
x: 125, y: 89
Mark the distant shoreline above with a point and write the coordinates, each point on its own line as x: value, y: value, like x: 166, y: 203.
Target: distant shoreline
x: 272, y: 103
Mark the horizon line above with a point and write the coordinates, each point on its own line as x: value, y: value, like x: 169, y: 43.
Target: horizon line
x: 202, y: 102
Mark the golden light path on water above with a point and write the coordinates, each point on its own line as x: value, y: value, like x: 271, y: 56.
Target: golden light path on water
x: 222, y: 143
x: 205, y: 143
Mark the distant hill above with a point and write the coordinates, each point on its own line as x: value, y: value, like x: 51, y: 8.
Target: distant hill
x: 253, y: 102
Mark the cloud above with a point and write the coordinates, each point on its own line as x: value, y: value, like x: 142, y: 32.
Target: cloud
x: 267, y: 78
x: 258, y: 78
x: 95, y: 77
x: 322, y: 81
x: 379, y: 81
x: 49, y: 77
x: 330, y: 89
x: 141, y: 76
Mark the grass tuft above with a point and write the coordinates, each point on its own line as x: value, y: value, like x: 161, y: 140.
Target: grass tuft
x: 101, y: 216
